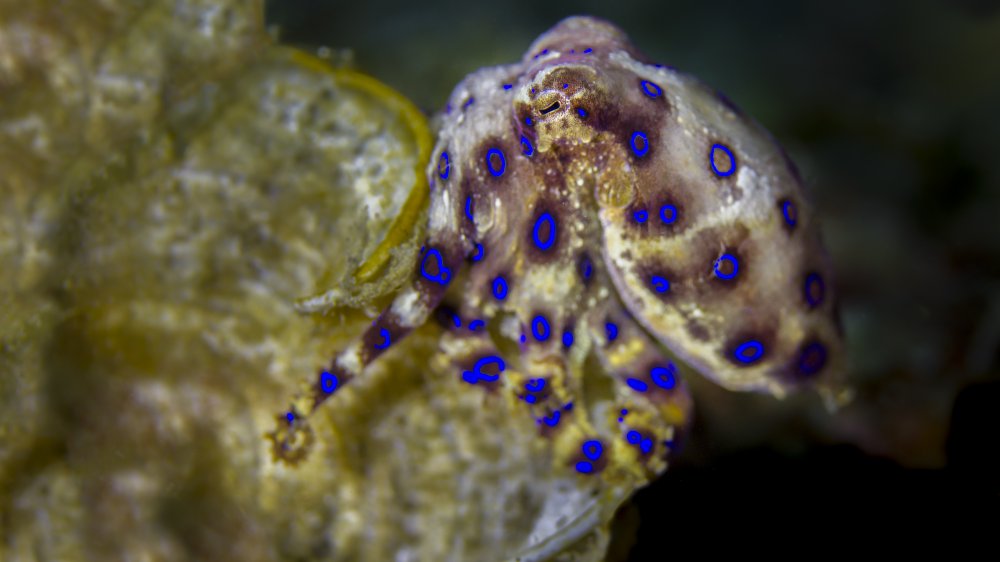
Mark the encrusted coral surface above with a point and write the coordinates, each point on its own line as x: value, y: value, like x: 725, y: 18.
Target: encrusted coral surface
x: 173, y: 184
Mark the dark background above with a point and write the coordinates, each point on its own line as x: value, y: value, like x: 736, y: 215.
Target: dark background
x: 890, y: 110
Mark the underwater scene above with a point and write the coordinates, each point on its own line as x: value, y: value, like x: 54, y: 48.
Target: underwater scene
x: 310, y: 280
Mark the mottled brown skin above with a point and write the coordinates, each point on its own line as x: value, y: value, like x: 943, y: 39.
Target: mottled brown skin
x: 540, y: 177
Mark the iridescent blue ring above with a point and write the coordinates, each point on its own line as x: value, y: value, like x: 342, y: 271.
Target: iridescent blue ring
x: 534, y: 385
x: 637, y: 385
x: 788, y: 211
x: 497, y: 172
x: 732, y: 160
x: 612, y: 330
x: 584, y: 467
x: 526, y: 147
x: 476, y: 374
x: 651, y: 89
x: 812, y: 359
x: 444, y: 274
x: 592, y: 449
x: 540, y: 328
x: 500, y: 288
x: 479, y: 252
x: 468, y: 208
x: 633, y: 437
x: 444, y: 163
x: 660, y: 284
x: 668, y: 214
x: 814, y: 290
x: 567, y: 339
x: 636, y: 149
x: 724, y: 259
x: 543, y: 245
x: 640, y: 216
x: 663, y: 377
x: 749, y: 351
x: 386, y: 339
x: 328, y: 382
x: 581, y: 112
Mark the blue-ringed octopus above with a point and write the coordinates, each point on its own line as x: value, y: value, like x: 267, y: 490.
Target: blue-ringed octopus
x: 596, y: 219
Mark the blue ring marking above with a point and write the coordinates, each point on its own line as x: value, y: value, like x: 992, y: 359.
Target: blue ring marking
x: 812, y: 359
x: 588, y: 268
x: 639, y: 152
x: 468, y: 102
x: 444, y: 161
x: 660, y: 284
x: 540, y: 328
x: 534, y: 385
x: 456, y: 319
x: 444, y: 274
x: 290, y: 417
x: 640, y: 216
x: 588, y: 50
x: 584, y: 467
x: 530, y: 398
x: 386, y: 339
x: 813, y: 280
x: 479, y: 252
x: 749, y: 351
x: 646, y: 446
x: 664, y: 377
x: 633, y: 437
x: 526, y: 147
x: 468, y: 208
x: 552, y: 419
x: 568, y: 406
x: 567, y: 339
x: 507, y: 86
x: 581, y: 112
x: 727, y: 258
x: 528, y: 121
x: 328, y: 382
x: 476, y: 374
x: 668, y: 214
x: 523, y: 339
x: 489, y: 162
x: 565, y: 86
x: 500, y: 288
x: 621, y: 418
x: 655, y: 92
x: 637, y: 385
x: 476, y: 324
x: 612, y: 330
x: 788, y: 211
x: 546, y: 217
x: 592, y: 449
x: 732, y: 161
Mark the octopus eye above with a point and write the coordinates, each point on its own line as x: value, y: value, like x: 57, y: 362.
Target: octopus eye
x: 640, y: 144
x: 722, y: 160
